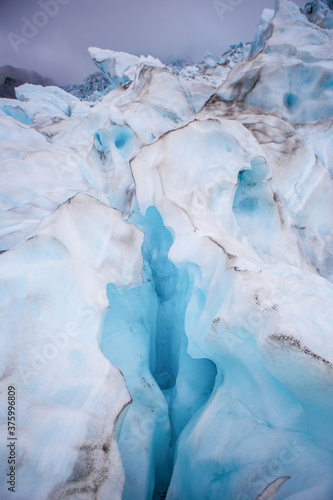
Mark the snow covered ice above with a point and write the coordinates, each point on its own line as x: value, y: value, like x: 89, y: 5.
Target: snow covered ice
x: 166, y: 293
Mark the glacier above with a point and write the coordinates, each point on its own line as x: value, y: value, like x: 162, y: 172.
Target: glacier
x: 166, y: 254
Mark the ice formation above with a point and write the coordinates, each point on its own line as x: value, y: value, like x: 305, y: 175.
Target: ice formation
x: 320, y: 13
x: 166, y: 257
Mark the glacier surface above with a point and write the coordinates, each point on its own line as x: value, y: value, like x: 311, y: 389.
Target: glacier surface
x: 166, y: 298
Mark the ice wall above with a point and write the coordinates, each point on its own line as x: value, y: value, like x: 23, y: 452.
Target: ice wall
x: 166, y: 276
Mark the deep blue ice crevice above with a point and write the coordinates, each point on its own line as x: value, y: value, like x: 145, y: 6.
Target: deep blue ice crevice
x: 144, y: 336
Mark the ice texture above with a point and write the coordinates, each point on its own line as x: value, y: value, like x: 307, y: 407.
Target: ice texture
x: 69, y: 396
x: 166, y: 294
x: 93, y: 88
x: 320, y: 13
x: 120, y: 67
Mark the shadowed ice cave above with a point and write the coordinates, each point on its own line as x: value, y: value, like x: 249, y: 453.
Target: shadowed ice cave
x: 144, y: 336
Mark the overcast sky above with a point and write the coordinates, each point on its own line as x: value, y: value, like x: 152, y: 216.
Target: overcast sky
x: 57, y: 47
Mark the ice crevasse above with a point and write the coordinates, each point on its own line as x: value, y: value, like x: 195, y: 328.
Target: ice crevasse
x: 166, y: 294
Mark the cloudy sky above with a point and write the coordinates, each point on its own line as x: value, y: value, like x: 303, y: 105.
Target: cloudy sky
x: 52, y: 36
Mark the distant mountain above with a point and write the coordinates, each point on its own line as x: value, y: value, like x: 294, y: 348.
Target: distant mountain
x: 11, y: 77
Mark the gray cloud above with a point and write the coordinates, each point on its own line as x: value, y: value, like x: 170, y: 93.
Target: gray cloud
x: 162, y: 28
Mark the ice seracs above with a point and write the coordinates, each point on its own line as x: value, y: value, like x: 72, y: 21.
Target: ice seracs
x: 290, y: 76
x: 120, y: 67
x: 167, y: 269
x: 93, y: 88
x: 320, y: 13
